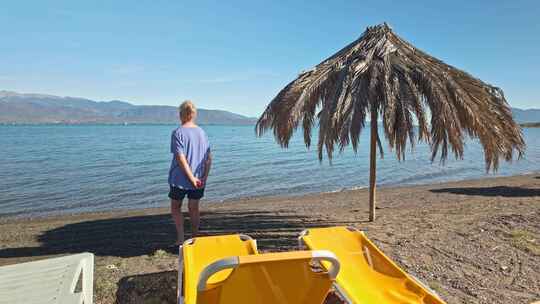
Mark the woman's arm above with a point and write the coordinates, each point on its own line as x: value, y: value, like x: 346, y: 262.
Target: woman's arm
x: 182, y: 161
x: 207, y: 167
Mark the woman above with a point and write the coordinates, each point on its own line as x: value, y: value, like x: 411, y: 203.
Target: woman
x: 189, y: 170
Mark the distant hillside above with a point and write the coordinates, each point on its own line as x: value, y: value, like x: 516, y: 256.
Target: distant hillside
x: 526, y: 116
x: 38, y: 108
x: 531, y: 125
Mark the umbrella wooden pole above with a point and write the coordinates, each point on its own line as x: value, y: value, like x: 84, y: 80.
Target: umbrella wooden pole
x: 373, y: 166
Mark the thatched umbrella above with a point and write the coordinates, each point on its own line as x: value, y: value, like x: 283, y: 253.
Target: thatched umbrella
x: 385, y: 76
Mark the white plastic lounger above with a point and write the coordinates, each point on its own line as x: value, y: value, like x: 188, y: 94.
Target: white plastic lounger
x: 48, y: 281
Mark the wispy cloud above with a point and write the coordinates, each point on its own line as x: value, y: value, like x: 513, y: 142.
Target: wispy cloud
x: 236, y: 78
x: 127, y: 84
x: 63, y: 12
x: 223, y: 79
x: 125, y: 69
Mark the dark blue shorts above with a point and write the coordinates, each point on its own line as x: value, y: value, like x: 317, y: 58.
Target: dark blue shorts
x: 178, y: 194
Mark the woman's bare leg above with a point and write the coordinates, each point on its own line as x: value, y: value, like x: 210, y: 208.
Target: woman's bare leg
x: 194, y: 216
x: 176, y: 212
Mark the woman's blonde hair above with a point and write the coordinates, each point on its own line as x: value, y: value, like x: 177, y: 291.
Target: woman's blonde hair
x: 187, y: 110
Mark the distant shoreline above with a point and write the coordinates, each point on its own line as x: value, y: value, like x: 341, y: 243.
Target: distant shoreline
x: 118, y: 124
x: 524, y: 125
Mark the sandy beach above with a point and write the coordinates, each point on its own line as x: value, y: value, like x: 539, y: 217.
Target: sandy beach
x: 473, y: 241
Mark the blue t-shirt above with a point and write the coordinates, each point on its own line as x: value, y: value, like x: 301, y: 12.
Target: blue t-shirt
x: 193, y: 144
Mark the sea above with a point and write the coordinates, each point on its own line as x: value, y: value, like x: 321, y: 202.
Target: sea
x: 64, y: 169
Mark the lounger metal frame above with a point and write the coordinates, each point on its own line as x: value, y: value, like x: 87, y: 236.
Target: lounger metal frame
x: 230, y: 263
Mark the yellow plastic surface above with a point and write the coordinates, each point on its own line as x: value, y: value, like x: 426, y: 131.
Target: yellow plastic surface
x: 206, y: 250
x: 367, y: 276
x: 285, y: 278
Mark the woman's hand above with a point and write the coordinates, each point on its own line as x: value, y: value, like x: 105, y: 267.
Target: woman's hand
x: 197, y: 183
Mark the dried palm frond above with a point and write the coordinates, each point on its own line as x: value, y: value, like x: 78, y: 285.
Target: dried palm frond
x: 382, y: 73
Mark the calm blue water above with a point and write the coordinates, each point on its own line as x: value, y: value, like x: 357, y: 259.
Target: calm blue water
x: 67, y: 169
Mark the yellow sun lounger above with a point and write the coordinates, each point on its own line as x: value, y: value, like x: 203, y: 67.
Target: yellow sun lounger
x: 196, y: 254
x: 250, y: 278
x: 367, y: 276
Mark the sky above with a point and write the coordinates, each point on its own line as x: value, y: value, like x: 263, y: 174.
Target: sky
x: 236, y: 55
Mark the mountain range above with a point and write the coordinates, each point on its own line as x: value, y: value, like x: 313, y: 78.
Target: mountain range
x: 526, y: 116
x: 21, y: 108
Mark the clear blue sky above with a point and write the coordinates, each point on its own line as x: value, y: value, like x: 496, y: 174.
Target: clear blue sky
x: 236, y: 55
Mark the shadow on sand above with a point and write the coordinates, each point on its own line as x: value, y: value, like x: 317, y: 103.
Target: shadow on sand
x: 492, y: 191
x: 140, y: 235
x: 157, y: 287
